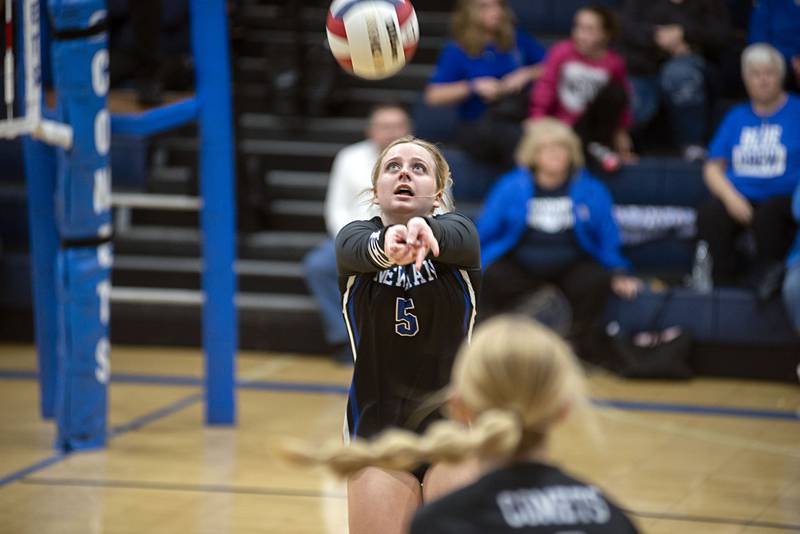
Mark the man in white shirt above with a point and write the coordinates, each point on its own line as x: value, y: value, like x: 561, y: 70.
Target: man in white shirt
x: 347, y: 200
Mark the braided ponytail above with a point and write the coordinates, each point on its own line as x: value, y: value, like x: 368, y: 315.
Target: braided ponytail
x: 496, y: 433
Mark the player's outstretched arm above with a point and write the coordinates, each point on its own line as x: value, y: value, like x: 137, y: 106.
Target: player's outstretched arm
x: 458, y: 240
x: 360, y: 248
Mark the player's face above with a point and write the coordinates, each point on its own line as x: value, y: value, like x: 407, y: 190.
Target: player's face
x: 587, y: 32
x: 763, y: 83
x: 552, y: 165
x: 406, y: 186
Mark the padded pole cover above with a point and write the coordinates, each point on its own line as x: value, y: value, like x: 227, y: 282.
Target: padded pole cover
x: 83, y: 209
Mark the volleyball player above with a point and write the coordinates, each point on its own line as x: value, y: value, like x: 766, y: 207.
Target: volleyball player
x: 409, y: 280
x: 509, y: 388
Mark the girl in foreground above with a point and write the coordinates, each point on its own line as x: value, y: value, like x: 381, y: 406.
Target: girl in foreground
x: 409, y: 281
x: 509, y: 388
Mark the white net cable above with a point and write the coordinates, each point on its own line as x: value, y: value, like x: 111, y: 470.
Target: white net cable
x: 8, y: 93
x: 29, y: 121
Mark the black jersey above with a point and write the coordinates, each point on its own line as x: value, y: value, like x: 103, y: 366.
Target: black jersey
x: 405, y: 325
x: 525, y: 498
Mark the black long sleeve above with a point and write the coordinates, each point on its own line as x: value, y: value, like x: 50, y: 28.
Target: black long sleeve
x: 359, y: 248
x: 360, y: 244
x: 458, y: 239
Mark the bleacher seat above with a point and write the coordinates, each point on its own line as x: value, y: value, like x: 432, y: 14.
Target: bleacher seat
x: 726, y: 325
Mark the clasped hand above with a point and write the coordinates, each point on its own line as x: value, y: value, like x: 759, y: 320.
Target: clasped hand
x: 408, y: 243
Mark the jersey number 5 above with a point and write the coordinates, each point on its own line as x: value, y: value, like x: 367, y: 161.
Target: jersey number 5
x: 406, y: 324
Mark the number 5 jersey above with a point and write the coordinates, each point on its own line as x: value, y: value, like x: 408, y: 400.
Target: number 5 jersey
x: 405, y: 325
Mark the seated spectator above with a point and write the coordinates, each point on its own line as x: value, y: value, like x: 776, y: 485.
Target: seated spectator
x: 487, y: 71
x: 584, y: 84
x: 350, y: 178
x: 668, y: 45
x: 753, y: 169
x: 550, y: 222
x: 777, y: 22
x: 508, y: 390
x: 791, y: 284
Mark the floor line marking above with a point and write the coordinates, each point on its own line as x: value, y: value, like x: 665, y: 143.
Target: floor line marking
x: 720, y: 438
x: 112, y: 433
x: 336, y: 389
x: 287, y: 492
x: 175, y: 486
x: 719, y: 520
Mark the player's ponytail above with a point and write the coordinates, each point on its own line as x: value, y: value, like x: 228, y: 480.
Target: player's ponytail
x: 495, y: 434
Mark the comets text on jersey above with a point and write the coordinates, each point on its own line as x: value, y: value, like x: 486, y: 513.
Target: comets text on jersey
x: 556, y: 505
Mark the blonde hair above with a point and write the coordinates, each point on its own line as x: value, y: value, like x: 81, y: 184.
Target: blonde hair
x: 469, y: 34
x: 444, y: 181
x: 517, y: 377
x: 548, y: 130
x: 763, y: 54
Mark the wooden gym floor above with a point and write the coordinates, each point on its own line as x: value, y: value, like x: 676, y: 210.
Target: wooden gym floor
x: 707, y: 456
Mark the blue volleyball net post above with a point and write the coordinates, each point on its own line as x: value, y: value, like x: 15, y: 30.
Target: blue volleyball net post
x: 70, y: 237
x: 212, y: 109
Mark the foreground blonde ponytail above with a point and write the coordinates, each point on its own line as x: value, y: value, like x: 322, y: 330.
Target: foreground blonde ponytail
x: 495, y: 433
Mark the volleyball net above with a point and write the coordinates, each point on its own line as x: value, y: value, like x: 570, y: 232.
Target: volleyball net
x: 68, y: 181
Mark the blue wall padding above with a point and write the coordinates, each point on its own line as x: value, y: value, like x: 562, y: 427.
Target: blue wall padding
x: 84, y: 110
x: 84, y: 370
x: 83, y: 213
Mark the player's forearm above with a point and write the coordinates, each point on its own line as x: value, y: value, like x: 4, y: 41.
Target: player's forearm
x: 458, y: 239
x: 359, y: 249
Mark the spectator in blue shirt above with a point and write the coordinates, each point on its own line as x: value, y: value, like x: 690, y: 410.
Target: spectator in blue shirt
x: 549, y: 222
x: 777, y: 22
x: 753, y: 169
x: 791, y: 284
x: 489, y: 64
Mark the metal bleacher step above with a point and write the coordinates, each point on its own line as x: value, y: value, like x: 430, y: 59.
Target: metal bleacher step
x: 163, y: 296
x: 298, y: 214
x: 174, y: 317
x: 251, y: 69
x: 182, y: 242
x: 256, y: 276
x: 287, y: 128
x: 293, y: 155
x: 171, y: 180
x: 281, y: 154
x: 361, y: 99
x: 300, y: 185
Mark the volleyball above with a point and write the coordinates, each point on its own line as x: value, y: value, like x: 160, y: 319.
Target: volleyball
x: 372, y: 39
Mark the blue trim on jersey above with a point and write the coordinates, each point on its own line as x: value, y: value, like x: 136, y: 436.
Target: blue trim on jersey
x: 351, y: 317
x: 467, y: 303
x: 354, y: 411
x: 351, y: 314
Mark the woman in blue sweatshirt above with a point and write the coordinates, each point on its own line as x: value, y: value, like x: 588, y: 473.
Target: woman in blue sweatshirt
x: 550, y: 222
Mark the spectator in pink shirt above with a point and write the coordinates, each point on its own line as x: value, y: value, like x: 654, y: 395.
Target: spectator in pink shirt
x: 584, y: 84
